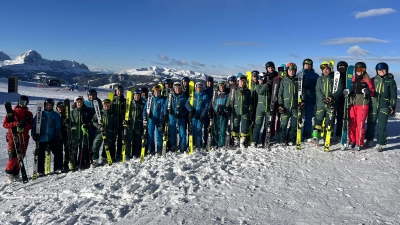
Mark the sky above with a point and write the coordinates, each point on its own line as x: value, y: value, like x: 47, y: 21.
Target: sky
x: 210, y: 36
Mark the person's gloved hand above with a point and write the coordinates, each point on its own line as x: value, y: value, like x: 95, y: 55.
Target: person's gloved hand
x: 84, y: 129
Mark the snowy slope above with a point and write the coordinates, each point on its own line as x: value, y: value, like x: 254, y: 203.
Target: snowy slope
x: 252, y: 186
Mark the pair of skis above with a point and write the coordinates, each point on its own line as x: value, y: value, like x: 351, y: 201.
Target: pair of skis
x: 345, y: 137
x: 272, y: 114
x: 145, y: 127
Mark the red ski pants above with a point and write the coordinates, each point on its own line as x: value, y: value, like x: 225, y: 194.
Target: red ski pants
x: 12, y: 166
x: 357, y: 117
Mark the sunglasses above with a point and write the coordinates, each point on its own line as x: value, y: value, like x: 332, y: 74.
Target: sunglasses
x: 359, y: 69
x: 22, y: 102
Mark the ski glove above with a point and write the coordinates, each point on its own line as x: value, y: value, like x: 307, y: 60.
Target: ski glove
x: 36, y: 137
x: 84, y: 129
x: 329, y: 101
x: 366, y: 91
x: 281, y: 110
x: 21, y: 124
x: 392, y: 110
x: 301, y: 105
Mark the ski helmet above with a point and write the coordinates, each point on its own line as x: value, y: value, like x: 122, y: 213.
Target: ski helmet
x: 341, y: 63
x: 92, y: 92
x: 144, y: 89
x: 239, y: 75
x: 308, y: 61
x: 187, y: 79
x: 137, y: 92
x: 232, y: 78
x: 326, y: 64
x: 79, y: 98
x: 382, y: 66
x: 156, y: 88
x: 167, y: 81
x: 49, y: 100
x: 243, y: 78
x: 177, y: 85
x: 106, y: 101
x: 59, y: 104
x: 23, y: 98
x: 269, y: 64
x: 199, y: 85
x: 120, y: 87
x: 291, y: 66
x: 255, y: 73
x: 360, y: 65
x: 211, y: 79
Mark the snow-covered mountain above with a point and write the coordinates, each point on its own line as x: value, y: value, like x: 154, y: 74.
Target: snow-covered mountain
x: 32, y: 61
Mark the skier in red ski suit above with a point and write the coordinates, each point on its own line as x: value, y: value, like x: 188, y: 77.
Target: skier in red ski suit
x: 360, y: 96
x: 23, y: 122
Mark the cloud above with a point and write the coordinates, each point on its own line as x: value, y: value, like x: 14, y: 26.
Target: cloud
x: 214, y: 66
x: 352, y: 40
x: 374, y: 12
x: 158, y: 63
x: 242, y: 43
x: 194, y: 63
x: 162, y: 57
x: 357, y: 52
x: 294, y: 55
x: 142, y: 60
x: 179, y: 62
x: 366, y: 59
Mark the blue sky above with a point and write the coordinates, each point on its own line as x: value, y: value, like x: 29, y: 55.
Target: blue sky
x: 211, y: 36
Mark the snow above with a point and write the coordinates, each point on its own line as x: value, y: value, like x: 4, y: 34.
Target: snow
x: 252, y: 186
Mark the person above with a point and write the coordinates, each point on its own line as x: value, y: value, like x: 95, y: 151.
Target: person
x: 197, y: 113
x: 359, y: 98
x: 288, y: 105
x: 272, y: 75
x: 382, y: 106
x: 209, y: 90
x: 262, y: 110
x: 118, y: 107
x: 232, y: 80
x: 92, y: 95
x: 155, y: 121
x: 220, y: 119
x: 167, y: 86
x: 254, y: 97
x: 81, y: 118
x: 185, y: 86
x: 309, y: 84
x: 342, y: 68
x: 63, y: 143
x: 325, y: 100
x: 242, y: 112
x: 108, y: 124
x: 22, y: 123
x: 49, y: 137
x: 177, y: 119
x: 145, y: 94
x: 135, y: 125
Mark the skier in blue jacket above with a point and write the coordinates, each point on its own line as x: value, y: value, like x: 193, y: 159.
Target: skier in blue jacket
x: 310, y: 81
x: 156, y: 120
x: 198, y: 113
x: 177, y: 117
x: 220, y: 119
x: 92, y: 95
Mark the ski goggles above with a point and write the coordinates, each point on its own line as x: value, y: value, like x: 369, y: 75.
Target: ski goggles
x: 177, y: 85
x: 221, y: 84
x: 324, y: 66
x: 309, y: 62
x: 106, y: 103
x: 22, y: 102
x: 79, y: 100
x: 291, y: 67
x: 360, y: 69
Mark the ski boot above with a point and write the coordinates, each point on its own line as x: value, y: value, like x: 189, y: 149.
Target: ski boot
x: 315, y: 136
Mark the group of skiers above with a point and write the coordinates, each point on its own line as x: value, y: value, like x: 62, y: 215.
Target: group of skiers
x: 233, y: 114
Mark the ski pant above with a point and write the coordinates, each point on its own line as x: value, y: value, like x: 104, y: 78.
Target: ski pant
x: 53, y: 148
x: 339, y: 116
x: 80, y: 150
x: 181, y: 123
x: 308, y: 115
x: 382, y: 115
x: 219, y: 131
x: 119, y: 141
x: 321, y: 114
x: 244, y: 129
x: 206, y: 124
x: 261, y: 117
x: 97, y: 143
x: 357, y: 116
x: 291, y: 132
x: 197, y: 127
x: 152, y: 128
x: 63, y: 151
x: 133, y: 142
x: 12, y: 166
x: 92, y: 136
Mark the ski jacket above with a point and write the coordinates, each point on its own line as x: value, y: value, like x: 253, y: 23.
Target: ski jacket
x: 89, y: 105
x: 220, y: 101
x: 136, y: 115
x: 178, y: 108
x: 264, y: 97
x: 185, y: 91
x: 80, y: 116
x: 50, y: 126
x: 288, y: 93
x: 385, y: 91
x: 118, y: 107
x: 309, y: 84
x: 324, y: 88
x: 209, y: 91
x: 200, y: 104
x: 359, y: 82
x: 156, y: 110
x: 243, y: 103
x: 108, y: 121
x: 19, y: 115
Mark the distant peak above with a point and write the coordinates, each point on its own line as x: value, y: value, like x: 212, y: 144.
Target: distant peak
x: 4, y: 56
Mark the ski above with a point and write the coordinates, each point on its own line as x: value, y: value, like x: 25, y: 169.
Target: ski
x: 166, y: 126
x: 39, y: 109
x: 345, y: 128
x: 145, y: 127
x: 103, y: 132
x: 299, y: 111
x: 190, y: 127
x: 272, y: 114
x: 330, y: 122
x: 249, y: 86
x: 125, y: 125
x: 210, y: 128
x: 228, y: 139
x: 17, y: 142
x: 69, y: 139
x: 48, y: 161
